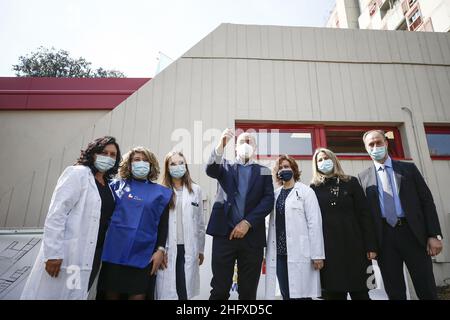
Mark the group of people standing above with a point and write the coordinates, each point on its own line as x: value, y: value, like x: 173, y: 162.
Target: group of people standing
x: 112, y: 228
x: 322, y: 238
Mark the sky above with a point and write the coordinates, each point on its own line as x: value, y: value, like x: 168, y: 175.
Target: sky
x: 127, y: 35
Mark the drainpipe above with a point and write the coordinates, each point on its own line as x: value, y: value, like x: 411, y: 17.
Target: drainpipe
x: 419, y: 153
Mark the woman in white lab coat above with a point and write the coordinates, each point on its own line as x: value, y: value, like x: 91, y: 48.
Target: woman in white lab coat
x: 75, y: 227
x: 295, y: 249
x: 186, y: 240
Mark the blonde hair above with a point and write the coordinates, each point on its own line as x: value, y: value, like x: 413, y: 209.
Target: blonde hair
x: 167, y: 181
x: 318, y: 177
x: 294, y: 166
x: 125, y: 165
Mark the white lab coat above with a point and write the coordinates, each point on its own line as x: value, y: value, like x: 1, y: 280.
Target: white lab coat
x: 304, y: 241
x: 70, y: 233
x: 194, y: 244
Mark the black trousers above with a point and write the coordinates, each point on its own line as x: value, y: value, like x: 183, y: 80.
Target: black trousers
x: 400, y: 245
x: 150, y: 294
x: 225, y: 253
x: 180, y: 274
x: 282, y: 276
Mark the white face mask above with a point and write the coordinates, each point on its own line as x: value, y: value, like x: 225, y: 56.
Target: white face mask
x: 378, y: 153
x: 140, y: 169
x: 104, y: 163
x: 325, y: 166
x: 244, y: 151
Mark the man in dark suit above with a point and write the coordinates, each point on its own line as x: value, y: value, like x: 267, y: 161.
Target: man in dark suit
x: 245, y: 197
x: 406, y: 220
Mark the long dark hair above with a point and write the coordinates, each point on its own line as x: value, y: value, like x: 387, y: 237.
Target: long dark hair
x: 95, y: 147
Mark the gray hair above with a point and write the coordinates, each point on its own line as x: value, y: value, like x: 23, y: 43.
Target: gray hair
x: 245, y: 135
x: 381, y: 132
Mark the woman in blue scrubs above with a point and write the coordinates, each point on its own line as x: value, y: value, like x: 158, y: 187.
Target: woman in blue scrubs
x: 135, y: 241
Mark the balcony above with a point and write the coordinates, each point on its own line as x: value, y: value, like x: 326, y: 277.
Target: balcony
x: 394, y: 19
x: 385, y: 5
x: 415, y: 24
x: 407, y: 5
x: 414, y: 17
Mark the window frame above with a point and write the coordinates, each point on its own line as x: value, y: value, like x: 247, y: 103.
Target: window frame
x: 414, y: 9
x: 397, y: 137
x: 283, y: 128
x: 318, y: 136
x: 436, y: 130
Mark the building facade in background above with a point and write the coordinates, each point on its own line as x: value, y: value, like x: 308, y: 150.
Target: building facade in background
x: 345, y: 14
x: 37, y: 113
x: 411, y: 15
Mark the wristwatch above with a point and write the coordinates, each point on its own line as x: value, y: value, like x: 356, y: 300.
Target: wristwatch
x: 162, y: 249
x: 439, y: 237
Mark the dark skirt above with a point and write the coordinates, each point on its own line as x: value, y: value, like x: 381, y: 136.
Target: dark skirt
x: 124, y: 279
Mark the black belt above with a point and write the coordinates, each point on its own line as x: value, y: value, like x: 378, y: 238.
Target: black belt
x: 400, y: 222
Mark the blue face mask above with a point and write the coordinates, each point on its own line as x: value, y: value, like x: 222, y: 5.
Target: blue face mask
x: 285, y: 174
x: 325, y: 166
x: 104, y: 163
x: 177, y: 171
x: 140, y: 169
x: 378, y: 153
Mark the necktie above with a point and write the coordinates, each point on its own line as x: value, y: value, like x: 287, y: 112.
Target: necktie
x: 388, y: 197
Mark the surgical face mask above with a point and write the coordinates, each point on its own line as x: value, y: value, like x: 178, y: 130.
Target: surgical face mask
x: 377, y: 153
x: 325, y: 166
x: 285, y: 174
x: 177, y: 171
x: 104, y: 163
x: 140, y: 169
x: 244, y: 151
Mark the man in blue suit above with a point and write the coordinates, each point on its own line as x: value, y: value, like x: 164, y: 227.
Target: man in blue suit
x: 244, y: 198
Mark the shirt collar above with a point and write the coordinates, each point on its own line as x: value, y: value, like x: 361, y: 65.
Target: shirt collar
x: 387, y: 163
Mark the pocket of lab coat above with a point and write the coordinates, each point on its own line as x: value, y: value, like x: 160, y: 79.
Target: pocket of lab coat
x: 297, y: 206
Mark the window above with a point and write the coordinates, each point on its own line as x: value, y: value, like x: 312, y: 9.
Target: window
x: 300, y: 140
x: 415, y: 19
x: 347, y: 141
x: 438, y: 139
x: 411, y: 2
x: 407, y: 5
x: 373, y: 8
x: 273, y: 140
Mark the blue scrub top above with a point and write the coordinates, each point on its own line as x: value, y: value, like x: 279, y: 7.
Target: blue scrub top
x: 132, y: 233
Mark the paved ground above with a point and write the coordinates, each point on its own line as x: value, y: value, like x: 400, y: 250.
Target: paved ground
x: 444, y: 293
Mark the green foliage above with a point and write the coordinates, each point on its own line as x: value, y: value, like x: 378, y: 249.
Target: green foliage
x: 52, y: 63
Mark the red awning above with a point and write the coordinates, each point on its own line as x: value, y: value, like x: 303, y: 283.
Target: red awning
x: 66, y: 93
